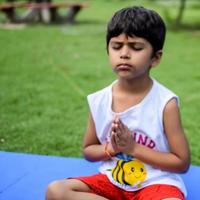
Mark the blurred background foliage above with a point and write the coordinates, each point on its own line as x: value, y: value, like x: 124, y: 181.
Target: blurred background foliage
x: 177, y: 17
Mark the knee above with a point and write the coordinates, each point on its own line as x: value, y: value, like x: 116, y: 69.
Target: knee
x: 54, y: 191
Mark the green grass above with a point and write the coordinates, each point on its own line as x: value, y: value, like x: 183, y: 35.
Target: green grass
x: 46, y: 73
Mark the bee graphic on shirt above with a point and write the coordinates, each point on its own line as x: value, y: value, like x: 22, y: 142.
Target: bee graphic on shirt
x: 131, y: 172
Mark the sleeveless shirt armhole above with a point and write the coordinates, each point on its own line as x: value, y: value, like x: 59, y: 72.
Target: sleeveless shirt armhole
x: 165, y: 102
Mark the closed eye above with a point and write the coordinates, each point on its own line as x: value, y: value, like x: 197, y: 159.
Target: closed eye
x: 116, y: 46
x: 136, y: 47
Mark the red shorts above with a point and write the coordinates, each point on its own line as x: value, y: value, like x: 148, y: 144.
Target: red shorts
x: 101, y: 186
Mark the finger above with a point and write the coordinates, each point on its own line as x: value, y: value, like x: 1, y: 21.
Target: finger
x: 113, y: 127
x: 120, y: 127
x: 124, y: 128
x: 113, y: 141
x: 127, y: 131
x: 118, y: 132
x: 118, y: 137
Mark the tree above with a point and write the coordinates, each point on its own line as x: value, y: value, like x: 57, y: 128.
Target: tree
x: 179, y: 17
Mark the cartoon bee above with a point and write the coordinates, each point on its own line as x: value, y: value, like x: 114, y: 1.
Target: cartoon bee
x: 129, y: 172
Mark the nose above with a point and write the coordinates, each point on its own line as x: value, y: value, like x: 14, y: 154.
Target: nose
x: 125, y: 54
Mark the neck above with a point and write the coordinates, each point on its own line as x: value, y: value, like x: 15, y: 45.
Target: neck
x: 136, y: 85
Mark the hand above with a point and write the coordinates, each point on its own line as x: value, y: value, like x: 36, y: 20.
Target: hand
x: 121, y: 138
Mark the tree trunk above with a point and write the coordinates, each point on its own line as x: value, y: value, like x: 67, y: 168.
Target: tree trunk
x: 179, y: 17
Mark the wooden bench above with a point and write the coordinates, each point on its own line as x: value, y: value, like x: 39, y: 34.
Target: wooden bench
x: 46, y: 12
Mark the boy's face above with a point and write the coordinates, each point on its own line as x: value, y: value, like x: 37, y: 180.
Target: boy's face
x: 131, y: 57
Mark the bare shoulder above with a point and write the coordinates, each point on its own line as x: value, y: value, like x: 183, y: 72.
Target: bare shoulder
x: 172, y: 104
x: 172, y: 112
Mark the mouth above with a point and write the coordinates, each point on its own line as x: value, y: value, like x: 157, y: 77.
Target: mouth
x: 124, y: 67
x: 138, y: 176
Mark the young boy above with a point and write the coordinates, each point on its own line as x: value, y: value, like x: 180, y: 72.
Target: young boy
x: 134, y: 124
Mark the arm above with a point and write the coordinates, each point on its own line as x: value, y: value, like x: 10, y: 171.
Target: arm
x: 92, y: 149
x: 178, y: 159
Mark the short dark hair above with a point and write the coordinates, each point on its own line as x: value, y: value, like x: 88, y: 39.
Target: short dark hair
x: 138, y: 21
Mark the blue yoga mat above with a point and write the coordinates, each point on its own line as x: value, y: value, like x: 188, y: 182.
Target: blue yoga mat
x: 26, y: 176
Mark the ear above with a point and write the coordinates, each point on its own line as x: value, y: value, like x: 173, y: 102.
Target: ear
x: 156, y: 58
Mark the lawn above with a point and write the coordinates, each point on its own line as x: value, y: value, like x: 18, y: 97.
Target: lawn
x: 47, y: 71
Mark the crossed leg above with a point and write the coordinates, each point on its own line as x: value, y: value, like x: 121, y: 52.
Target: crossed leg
x: 70, y: 189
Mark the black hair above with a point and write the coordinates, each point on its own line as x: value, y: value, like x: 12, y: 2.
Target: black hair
x: 138, y: 21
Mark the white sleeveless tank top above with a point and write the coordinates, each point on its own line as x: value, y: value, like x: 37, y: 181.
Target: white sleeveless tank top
x: 145, y: 122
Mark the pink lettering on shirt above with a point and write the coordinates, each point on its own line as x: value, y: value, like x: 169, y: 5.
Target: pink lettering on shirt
x: 145, y: 140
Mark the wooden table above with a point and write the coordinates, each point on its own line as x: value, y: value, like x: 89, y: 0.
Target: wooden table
x: 46, y: 12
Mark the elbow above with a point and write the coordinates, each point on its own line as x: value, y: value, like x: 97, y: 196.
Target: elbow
x: 89, y: 158
x: 87, y: 155
x: 184, y: 166
x: 187, y: 166
x: 182, y: 163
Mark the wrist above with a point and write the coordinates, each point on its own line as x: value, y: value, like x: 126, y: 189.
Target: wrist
x: 109, y: 151
x: 134, y: 149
